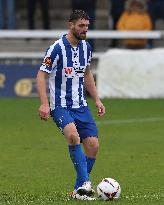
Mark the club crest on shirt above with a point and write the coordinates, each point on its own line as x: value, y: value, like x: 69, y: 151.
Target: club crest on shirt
x: 47, y: 62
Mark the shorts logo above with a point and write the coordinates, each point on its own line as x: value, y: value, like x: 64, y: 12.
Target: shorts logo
x: 47, y: 62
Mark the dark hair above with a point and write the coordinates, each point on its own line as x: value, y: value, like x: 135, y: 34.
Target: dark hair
x: 78, y: 14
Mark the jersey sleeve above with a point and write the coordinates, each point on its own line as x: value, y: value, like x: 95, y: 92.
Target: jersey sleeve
x: 50, y: 59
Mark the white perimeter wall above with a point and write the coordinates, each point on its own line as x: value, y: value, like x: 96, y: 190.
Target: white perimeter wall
x: 131, y: 73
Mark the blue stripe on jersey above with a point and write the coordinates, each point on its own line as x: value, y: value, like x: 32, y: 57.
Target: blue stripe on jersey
x: 81, y: 55
x: 55, y: 51
x: 58, y: 82
x: 80, y: 91
x: 68, y: 97
x: 58, y: 78
x: 81, y: 79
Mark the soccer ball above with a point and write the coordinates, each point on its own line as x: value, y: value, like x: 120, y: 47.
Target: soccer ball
x: 108, y: 189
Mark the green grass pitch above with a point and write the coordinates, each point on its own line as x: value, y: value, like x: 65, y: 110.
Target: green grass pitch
x: 35, y: 167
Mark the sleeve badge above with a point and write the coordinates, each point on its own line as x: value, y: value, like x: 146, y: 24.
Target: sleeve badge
x: 47, y: 62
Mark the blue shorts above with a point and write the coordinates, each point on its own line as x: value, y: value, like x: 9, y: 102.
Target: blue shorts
x: 82, y: 118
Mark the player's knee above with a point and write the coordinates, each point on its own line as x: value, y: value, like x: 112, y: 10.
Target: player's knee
x: 93, y: 145
x: 73, y: 139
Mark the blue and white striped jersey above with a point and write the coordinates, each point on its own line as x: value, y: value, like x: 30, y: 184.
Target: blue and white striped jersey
x: 66, y: 66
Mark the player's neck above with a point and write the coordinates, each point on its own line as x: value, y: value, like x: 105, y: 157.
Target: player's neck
x: 72, y: 40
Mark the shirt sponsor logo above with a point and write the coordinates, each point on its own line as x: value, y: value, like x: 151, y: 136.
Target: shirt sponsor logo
x: 79, y: 71
x: 68, y: 71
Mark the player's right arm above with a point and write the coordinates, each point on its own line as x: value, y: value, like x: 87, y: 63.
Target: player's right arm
x: 49, y: 63
x: 44, y: 109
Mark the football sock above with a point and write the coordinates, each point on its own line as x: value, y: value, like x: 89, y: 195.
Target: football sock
x: 90, y: 163
x: 79, y: 160
x: 77, y: 184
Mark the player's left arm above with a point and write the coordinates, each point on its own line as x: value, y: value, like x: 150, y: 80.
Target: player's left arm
x: 91, y: 88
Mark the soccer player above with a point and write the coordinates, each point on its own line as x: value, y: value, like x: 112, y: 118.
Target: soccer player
x: 67, y: 64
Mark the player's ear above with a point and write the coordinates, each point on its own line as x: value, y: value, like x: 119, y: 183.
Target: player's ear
x: 70, y: 24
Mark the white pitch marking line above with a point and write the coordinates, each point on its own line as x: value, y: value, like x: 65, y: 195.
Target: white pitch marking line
x: 124, y: 121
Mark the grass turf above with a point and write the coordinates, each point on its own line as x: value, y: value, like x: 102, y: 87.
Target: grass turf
x: 35, y: 167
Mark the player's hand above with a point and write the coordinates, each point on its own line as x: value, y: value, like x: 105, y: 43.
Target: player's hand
x: 100, y: 107
x: 44, y: 112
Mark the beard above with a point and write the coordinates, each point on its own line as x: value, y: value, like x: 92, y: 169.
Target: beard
x: 79, y: 37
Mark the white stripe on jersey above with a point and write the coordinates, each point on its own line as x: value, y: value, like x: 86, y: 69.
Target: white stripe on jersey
x: 63, y: 85
x: 86, y: 63
x: 52, y: 88
x: 84, y: 101
x: 54, y: 64
x: 75, y: 81
x: 52, y: 81
x: 85, y: 51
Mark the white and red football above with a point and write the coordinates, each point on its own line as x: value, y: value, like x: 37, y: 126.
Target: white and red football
x: 108, y: 189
